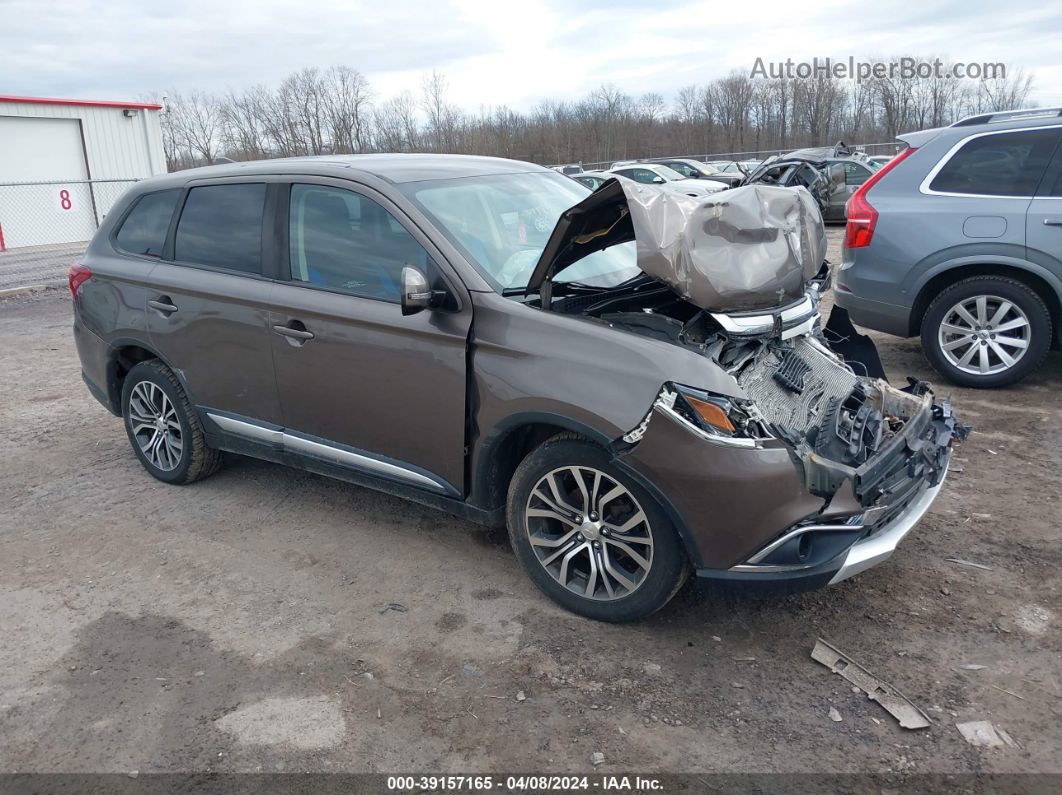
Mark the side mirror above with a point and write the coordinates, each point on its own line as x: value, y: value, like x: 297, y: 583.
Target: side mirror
x: 658, y: 180
x: 416, y: 292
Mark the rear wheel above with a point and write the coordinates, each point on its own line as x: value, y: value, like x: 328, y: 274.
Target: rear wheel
x: 163, y: 428
x: 590, y: 538
x: 986, y: 331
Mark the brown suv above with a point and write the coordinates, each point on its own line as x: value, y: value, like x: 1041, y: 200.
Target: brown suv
x: 635, y: 382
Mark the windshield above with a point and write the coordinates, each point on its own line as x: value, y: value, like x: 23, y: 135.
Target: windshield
x: 501, y: 223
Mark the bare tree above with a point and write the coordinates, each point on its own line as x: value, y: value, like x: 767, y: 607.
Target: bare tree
x: 1005, y: 93
x: 195, y: 125
x: 347, y: 106
x: 315, y: 111
x: 443, y: 118
x: 733, y: 103
x: 396, y: 124
x: 241, y: 114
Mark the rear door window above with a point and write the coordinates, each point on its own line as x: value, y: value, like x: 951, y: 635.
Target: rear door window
x: 144, y: 230
x: 683, y: 169
x: 855, y: 174
x: 221, y: 227
x: 1002, y: 164
x: 344, y: 241
x: 639, y: 174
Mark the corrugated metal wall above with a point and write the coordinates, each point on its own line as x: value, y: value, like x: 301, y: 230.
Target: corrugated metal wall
x: 118, y: 147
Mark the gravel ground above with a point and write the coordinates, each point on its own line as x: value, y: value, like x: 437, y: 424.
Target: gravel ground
x: 241, y: 624
x: 35, y: 266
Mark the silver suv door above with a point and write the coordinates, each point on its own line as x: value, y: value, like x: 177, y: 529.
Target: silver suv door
x: 1043, y: 226
x: 985, y: 185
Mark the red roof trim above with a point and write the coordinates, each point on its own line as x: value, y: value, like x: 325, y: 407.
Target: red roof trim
x: 94, y: 103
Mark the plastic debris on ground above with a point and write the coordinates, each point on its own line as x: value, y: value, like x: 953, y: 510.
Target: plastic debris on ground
x: 892, y: 700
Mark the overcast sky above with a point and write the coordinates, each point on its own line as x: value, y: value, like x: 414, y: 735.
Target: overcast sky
x: 492, y: 52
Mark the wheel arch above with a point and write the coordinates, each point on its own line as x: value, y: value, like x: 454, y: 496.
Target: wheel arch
x: 1039, y: 280
x: 123, y: 355
x: 507, y: 444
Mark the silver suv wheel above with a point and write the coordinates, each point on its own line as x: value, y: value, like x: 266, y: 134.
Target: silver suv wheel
x: 984, y: 335
x: 155, y: 427
x: 589, y: 533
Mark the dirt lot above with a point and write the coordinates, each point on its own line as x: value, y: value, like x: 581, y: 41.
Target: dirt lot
x: 240, y: 624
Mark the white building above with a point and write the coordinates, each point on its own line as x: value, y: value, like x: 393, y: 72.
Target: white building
x: 79, y: 154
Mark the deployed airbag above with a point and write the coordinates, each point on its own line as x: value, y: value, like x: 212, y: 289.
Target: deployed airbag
x: 749, y: 248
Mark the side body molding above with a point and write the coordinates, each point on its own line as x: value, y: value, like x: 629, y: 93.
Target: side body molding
x: 286, y: 441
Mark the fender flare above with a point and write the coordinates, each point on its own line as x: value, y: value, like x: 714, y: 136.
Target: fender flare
x: 114, y: 394
x: 492, y: 442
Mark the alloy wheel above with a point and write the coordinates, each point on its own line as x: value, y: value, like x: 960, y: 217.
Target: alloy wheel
x: 984, y: 335
x: 155, y: 426
x: 589, y: 532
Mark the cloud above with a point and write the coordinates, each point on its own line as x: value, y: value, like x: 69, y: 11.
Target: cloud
x: 492, y: 53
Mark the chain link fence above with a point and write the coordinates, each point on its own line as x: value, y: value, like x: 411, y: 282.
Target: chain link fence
x: 44, y: 226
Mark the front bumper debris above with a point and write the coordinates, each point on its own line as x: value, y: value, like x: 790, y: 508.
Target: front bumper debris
x: 730, y: 504
x: 882, y: 542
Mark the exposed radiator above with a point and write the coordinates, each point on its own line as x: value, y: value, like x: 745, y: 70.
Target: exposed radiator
x: 785, y: 407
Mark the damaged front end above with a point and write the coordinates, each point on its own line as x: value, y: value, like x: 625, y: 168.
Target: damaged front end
x: 812, y: 467
x: 863, y: 460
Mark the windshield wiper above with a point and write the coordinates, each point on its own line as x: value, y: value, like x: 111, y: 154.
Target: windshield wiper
x: 625, y: 283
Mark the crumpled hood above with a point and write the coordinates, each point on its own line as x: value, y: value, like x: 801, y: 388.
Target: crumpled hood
x: 748, y: 248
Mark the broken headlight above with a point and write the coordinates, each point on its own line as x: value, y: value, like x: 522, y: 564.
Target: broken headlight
x: 719, y: 417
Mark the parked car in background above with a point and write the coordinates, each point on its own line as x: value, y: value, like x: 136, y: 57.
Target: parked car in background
x: 485, y: 336
x: 842, y: 171
x: 568, y: 170
x: 879, y: 160
x: 695, y: 169
x: 959, y: 239
x: 592, y: 179
x: 742, y: 167
x: 667, y: 178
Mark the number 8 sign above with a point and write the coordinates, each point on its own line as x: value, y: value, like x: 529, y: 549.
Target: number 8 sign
x: 63, y: 200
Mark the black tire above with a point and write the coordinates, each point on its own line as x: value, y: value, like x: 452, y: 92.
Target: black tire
x: 668, y: 564
x: 1022, y: 296
x: 196, y: 460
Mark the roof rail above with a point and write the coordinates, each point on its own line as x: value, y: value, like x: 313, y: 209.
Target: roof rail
x: 1009, y: 115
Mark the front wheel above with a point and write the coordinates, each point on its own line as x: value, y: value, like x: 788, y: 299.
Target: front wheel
x: 592, y: 540
x: 986, y: 331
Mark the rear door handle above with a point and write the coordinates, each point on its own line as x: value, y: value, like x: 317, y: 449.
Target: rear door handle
x: 295, y: 332
x: 1053, y: 222
x: 162, y: 305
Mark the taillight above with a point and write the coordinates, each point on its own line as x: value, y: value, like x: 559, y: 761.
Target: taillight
x: 76, y: 276
x: 862, y: 217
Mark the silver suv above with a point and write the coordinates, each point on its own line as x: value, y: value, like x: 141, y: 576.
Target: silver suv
x: 959, y: 239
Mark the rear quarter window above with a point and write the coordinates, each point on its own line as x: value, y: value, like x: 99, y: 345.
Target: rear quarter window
x: 143, y: 231
x: 221, y: 227
x: 1002, y: 164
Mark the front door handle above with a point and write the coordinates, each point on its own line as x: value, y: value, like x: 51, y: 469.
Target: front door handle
x: 1053, y: 222
x: 163, y: 305
x: 295, y: 332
